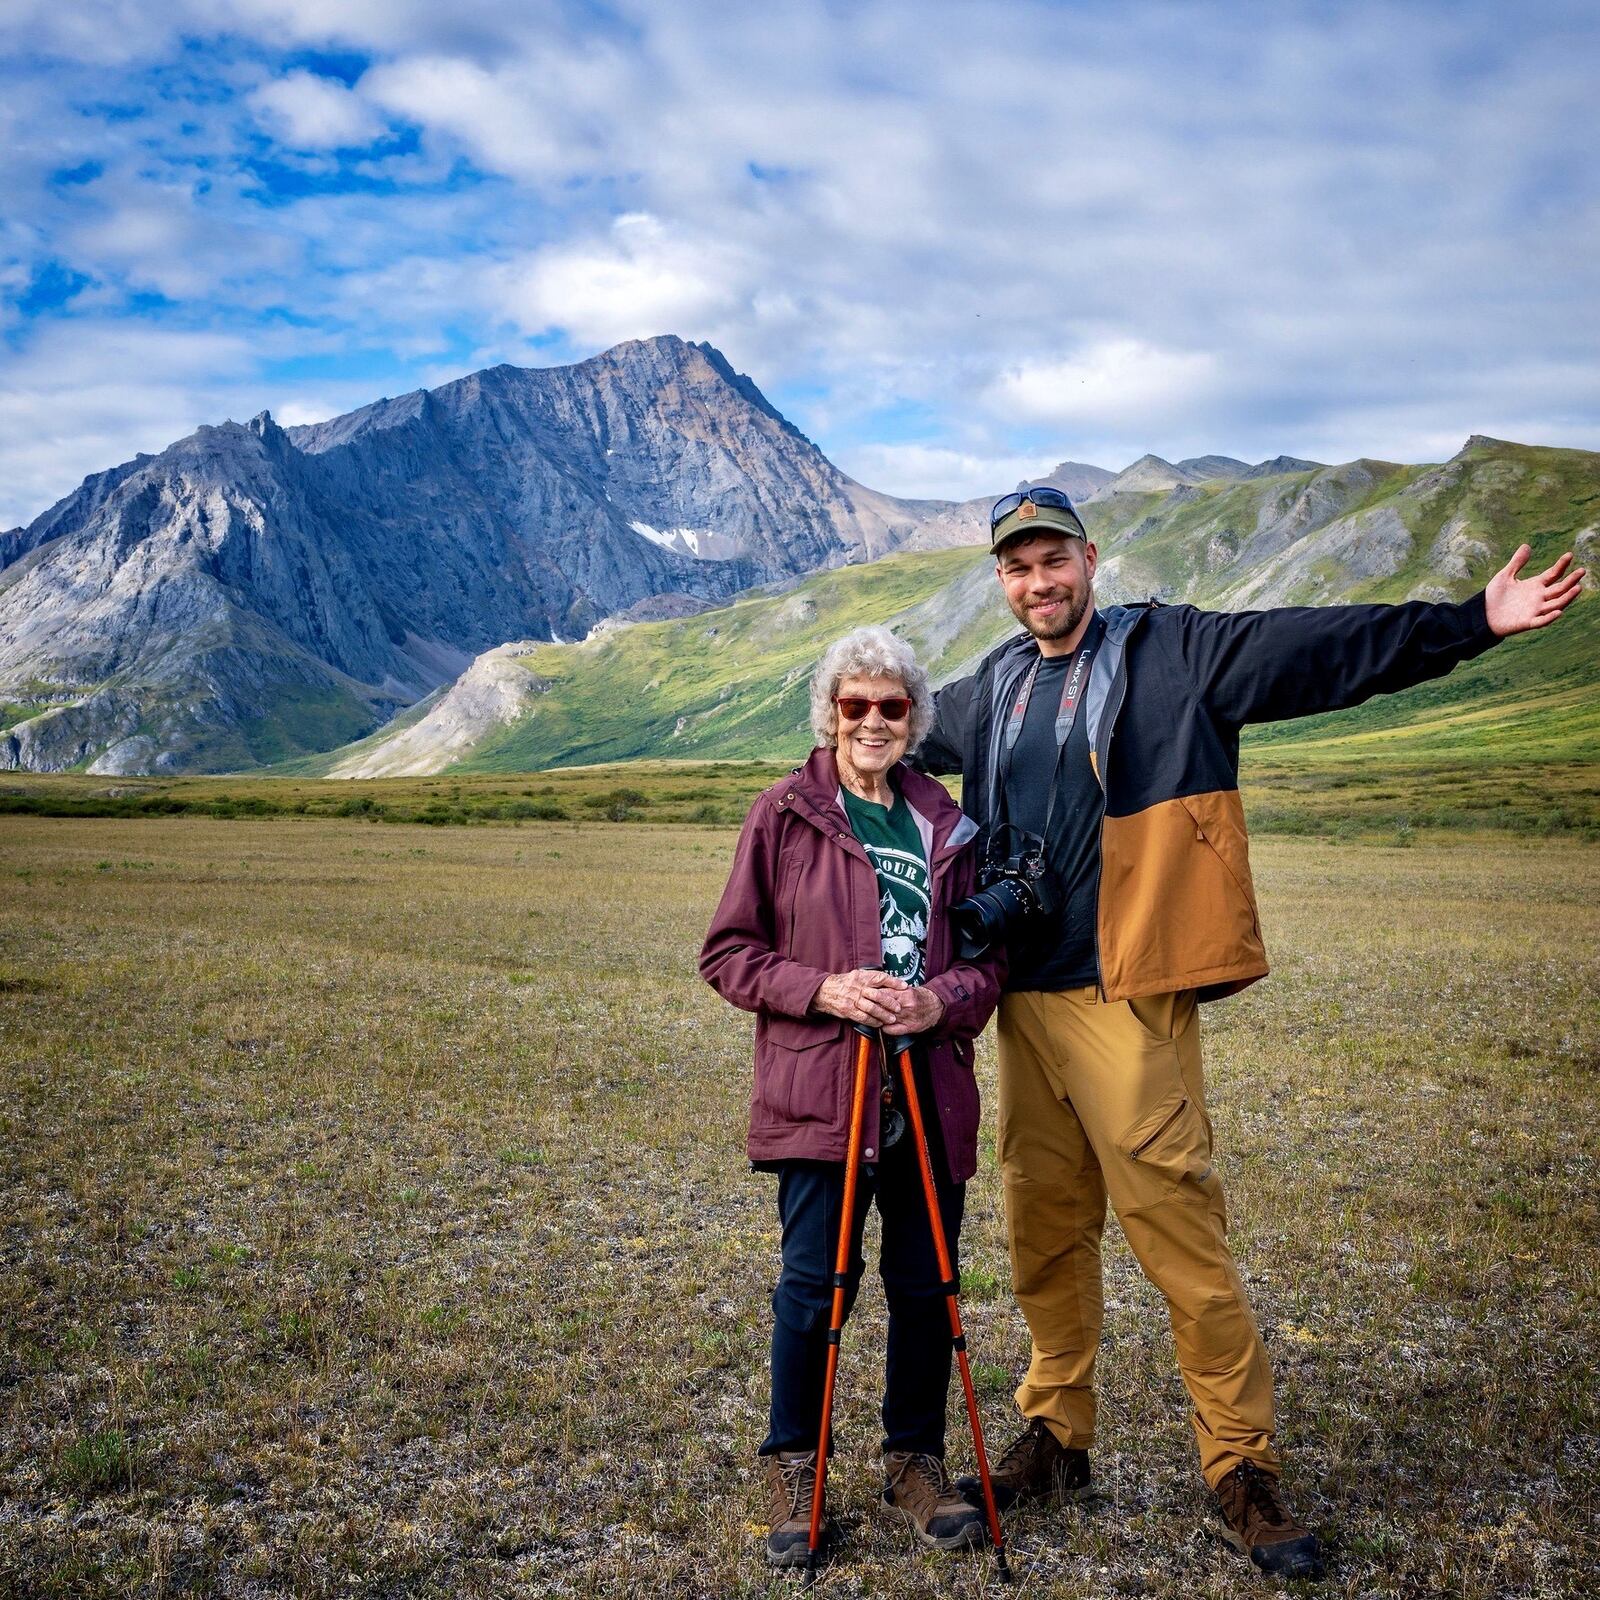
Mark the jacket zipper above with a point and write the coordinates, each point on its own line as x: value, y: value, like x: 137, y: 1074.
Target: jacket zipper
x: 1102, y: 768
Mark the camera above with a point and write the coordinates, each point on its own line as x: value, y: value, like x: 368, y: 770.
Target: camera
x: 1014, y: 885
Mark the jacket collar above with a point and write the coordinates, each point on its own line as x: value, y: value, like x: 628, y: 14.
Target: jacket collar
x: 812, y: 791
x: 1102, y: 699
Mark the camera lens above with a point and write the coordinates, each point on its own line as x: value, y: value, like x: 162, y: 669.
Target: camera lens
x: 980, y: 921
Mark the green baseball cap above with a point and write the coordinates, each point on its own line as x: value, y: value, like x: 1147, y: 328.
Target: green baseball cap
x: 1028, y: 521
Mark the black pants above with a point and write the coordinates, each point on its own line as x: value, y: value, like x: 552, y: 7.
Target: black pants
x: 917, y: 1363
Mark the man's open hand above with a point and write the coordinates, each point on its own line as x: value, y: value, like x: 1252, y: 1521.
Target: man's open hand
x: 1514, y: 605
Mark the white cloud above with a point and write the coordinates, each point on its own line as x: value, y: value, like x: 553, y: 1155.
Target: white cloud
x: 315, y: 113
x: 548, y: 114
x: 1114, y: 383
x: 170, y: 237
x: 641, y: 278
x: 110, y: 33
x: 937, y: 472
x: 1354, y: 230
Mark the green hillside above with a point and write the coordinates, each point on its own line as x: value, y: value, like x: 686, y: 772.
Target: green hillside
x: 1533, y: 698
x: 731, y: 684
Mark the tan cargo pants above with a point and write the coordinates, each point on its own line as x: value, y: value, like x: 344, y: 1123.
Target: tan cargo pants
x: 1106, y: 1098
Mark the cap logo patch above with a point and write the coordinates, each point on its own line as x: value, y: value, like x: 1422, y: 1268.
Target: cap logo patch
x: 1027, y: 509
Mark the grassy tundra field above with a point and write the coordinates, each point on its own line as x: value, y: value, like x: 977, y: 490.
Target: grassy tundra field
x: 1345, y: 789
x: 373, y: 1222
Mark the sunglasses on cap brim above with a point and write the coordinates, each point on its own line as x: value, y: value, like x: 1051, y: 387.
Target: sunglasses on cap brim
x: 1007, y: 503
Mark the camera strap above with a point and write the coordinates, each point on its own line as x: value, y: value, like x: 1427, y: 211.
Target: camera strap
x: 1066, y: 712
x: 1066, y: 716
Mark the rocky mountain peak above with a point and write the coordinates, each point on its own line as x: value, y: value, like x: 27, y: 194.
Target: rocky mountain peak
x: 1279, y: 465
x: 310, y: 581
x: 1078, y: 478
x: 1150, y: 474
x: 1213, y: 467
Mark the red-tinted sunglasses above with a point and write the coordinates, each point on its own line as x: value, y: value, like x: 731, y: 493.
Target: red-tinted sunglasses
x: 895, y: 707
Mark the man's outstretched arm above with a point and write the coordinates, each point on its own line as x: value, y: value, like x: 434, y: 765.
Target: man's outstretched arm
x: 1297, y: 660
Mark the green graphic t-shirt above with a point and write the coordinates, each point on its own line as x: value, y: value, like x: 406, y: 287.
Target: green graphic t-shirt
x: 894, y: 847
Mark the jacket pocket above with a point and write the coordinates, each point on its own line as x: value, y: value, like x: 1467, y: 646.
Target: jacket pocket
x: 799, y: 1078
x: 787, y: 902
x: 1225, y: 839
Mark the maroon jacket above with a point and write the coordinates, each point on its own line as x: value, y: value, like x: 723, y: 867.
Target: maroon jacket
x: 801, y: 903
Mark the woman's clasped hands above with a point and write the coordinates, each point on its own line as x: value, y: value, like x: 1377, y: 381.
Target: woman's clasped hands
x: 877, y: 1000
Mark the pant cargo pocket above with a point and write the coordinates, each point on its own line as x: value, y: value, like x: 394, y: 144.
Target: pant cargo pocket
x: 1168, y: 1144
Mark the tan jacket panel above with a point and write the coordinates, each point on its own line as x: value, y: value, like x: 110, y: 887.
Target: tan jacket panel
x: 1177, y: 904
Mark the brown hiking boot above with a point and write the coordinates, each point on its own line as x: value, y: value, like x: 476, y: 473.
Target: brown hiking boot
x: 791, y: 1481
x: 917, y: 1487
x: 1260, y: 1525
x: 1035, y: 1465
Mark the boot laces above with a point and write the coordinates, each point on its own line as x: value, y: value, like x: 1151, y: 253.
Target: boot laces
x: 799, y: 1482
x: 1023, y: 1448
x: 921, y: 1479
x: 931, y: 1468
x: 1261, y: 1496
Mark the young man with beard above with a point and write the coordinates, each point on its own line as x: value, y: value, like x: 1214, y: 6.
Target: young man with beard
x: 1110, y: 741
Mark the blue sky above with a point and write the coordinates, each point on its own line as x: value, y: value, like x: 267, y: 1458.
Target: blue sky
x: 956, y: 243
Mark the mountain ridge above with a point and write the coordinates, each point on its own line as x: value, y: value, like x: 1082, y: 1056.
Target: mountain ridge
x: 176, y: 610
x: 256, y: 594
x: 731, y: 682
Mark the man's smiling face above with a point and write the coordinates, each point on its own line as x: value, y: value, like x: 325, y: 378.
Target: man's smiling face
x: 1049, y: 584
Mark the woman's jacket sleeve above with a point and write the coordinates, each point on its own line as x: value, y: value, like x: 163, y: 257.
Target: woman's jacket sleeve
x: 738, y: 958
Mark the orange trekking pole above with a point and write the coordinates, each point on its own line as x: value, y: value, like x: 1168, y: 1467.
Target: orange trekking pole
x: 899, y: 1045
x: 841, y: 1269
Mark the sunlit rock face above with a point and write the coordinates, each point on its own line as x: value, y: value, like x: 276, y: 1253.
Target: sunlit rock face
x: 255, y: 592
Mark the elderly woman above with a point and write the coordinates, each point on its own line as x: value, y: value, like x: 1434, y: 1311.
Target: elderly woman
x: 836, y: 912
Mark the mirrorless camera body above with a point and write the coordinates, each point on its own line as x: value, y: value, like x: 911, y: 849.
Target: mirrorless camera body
x: 1015, y: 888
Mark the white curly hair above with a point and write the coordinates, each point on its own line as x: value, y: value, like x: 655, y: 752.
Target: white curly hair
x: 868, y: 653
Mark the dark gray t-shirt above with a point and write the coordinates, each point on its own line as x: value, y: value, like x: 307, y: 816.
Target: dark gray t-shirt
x: 1060, y: 953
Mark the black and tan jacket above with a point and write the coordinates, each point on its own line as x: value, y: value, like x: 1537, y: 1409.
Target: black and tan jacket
x: 1170, y: 689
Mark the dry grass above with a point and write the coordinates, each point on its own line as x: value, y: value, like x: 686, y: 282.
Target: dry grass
x: 373, y: 1222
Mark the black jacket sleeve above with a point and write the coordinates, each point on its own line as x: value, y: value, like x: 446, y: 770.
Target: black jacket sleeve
x: 941, y: 750
x: 1260, y: 666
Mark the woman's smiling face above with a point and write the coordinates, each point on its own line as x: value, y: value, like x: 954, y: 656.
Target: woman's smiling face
x: 872, y: 744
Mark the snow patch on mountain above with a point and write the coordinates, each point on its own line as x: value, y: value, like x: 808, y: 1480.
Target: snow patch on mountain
x: 704, y: 544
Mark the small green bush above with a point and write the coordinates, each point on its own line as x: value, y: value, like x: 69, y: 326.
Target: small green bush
x: 540, y: 810
x: 98, y: 1462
